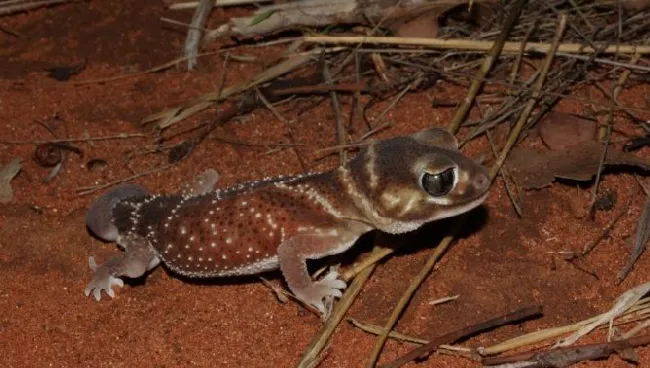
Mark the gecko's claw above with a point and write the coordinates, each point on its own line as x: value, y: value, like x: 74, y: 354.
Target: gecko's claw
x: 102, y: 280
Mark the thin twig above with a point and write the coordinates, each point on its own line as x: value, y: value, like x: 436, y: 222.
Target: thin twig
x: 220, y: 3
x: 269, y: 106
x: 371, y: 260
x: 376, y: 330
x: 29, y: 6
x: 155, y: 69
x: 536, y: 337
x: 608, y: 137
x: 397, y: 98
x: 488, y: 63
x: 408, y: 294
x: 606, y: 230
x: 517, y: 64
x: 178, y: 23
x: 640, y: 241
x: 442, y: 247
x: 473, y: 45
x: 506, y: 182
x: 191, y: 47
x: 565, y: 356
x: 340, y: 309
x: 336, y: 106
x: 77, y: 140
x: 532, y: 102
x: 91, y: 189
x: 620, y: 64
x: 424, y: 350
x: 567, y: 55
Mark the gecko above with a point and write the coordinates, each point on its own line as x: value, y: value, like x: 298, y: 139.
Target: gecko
x: 394, y: 185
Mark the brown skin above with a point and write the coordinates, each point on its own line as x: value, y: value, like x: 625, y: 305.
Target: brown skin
x: 260, y: 226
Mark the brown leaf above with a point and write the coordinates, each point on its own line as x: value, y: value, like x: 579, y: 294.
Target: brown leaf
x: 424, y: 25
x: 535, y: 168
x: 560, y: 131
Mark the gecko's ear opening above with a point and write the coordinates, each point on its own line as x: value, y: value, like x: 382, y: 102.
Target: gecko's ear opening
x: 437, y: 137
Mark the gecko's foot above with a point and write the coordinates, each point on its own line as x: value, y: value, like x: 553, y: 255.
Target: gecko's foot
x: 102, y: 280
x: 321, y: 293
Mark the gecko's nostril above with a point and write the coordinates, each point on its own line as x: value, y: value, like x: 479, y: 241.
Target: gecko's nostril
x: 481, y: 181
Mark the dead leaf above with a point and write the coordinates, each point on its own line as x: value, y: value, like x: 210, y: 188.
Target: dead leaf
x: 535, y: 168
x: 560, y: 131
x: 7, y: 173
x: 423, y: 26
x: 281, y: 16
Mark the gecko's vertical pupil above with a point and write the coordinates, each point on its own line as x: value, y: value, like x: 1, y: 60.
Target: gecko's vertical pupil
x: 438, y: 184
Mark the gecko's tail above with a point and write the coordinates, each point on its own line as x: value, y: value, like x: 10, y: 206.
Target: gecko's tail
x: 99, y: 218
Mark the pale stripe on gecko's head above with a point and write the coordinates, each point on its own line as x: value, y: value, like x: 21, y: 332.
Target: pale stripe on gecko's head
x: 418, y: 178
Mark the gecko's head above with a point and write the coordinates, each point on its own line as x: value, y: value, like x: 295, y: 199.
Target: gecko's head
x: 419, y: 178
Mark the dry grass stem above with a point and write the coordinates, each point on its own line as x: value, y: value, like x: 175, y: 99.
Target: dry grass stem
x: 191, y: 46
x: 442, y: 247
x: 78, y: 140
x: 537, y: 87
x: 376, y: 330
x: 408, y: 294
x: 16, y: 7
x: 488, y: 63
x: 473, y: 45
x: 372, y: 259
x: 173, y: 115
x: 321, y: 339
x: 218, y: 3
x: 155, y: 69
x: 94, y: 188
x: 640, y: 307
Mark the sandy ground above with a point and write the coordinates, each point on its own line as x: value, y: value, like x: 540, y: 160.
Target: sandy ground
x: 501, y: 263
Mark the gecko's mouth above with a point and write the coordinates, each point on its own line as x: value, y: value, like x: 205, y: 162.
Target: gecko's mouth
x: 465, y: 207
x: 473, y: 203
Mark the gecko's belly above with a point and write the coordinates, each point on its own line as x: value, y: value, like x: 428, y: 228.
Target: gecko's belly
x: 201, y: 252
x: 207, y: 241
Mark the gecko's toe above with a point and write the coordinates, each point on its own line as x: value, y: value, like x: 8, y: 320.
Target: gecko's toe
x: 102, y: 280
x: 320, y: 306
x: 92, y: 263
x: 321, y: 293
x: 331, y: 285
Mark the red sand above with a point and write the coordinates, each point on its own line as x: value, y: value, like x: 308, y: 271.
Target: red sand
x: 502, y: 264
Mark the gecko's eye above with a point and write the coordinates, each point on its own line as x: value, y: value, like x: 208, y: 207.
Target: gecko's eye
x: 438, y: 184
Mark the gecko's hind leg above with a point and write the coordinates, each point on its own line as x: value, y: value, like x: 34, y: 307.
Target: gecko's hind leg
x: 137, y: 259
x: 201, y: 184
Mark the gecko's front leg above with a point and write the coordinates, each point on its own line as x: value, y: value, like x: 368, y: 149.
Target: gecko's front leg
x: 134, y: 262
x: 293, y: 254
